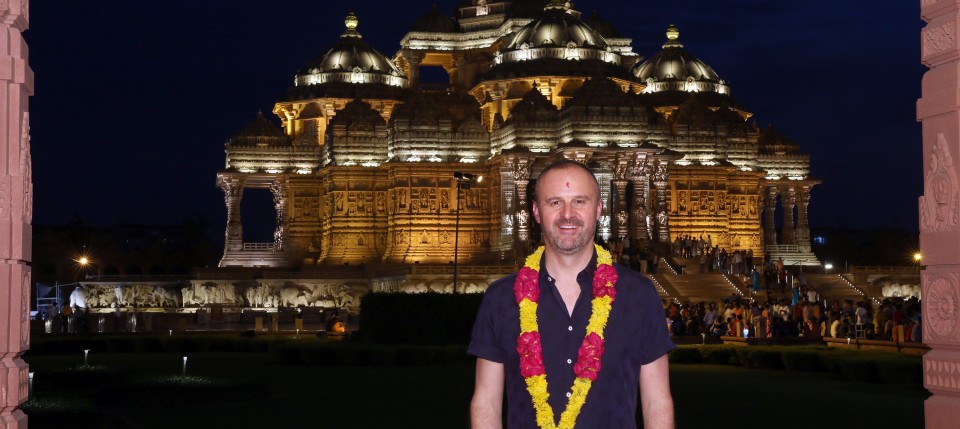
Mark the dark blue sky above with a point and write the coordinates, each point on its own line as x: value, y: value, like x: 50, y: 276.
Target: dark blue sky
x: 134, y: 99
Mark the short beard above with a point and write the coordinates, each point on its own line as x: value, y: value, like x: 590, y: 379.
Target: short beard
x: 578, y: 244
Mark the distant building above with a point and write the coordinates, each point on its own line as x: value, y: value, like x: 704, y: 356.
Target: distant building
x: 362, y: 167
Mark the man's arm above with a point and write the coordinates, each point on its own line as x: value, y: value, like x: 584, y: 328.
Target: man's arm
x: 487, y: 404
x: 655, y: 399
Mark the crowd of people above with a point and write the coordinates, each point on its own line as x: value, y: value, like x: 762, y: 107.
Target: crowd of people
x: 712, y: 257
x: 893, y: 319
x: 790, y: 306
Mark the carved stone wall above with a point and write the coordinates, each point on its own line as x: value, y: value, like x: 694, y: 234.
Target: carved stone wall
x: 16, y: 211
x: 940, y: 211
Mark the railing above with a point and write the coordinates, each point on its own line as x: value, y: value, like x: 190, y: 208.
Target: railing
x: 464, y: 269
x: 435, y: 88
x: 782, y: 248
x: 672, y: 265
x: 854, y: 287
x: 138, y: 277
x: 662, y: 289
x: 731, y: 283
x: 254, y: 247
x: 863, y: 269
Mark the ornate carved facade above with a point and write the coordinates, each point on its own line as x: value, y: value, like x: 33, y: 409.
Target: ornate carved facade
x: 361, y: 168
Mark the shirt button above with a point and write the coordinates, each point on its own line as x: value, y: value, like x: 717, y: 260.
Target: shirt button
x: 569, y: 328
x: 550, y: 279
x: 569, y: 361
x: 568, y: 394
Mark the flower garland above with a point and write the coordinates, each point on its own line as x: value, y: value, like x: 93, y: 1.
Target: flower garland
x: 526, y: 289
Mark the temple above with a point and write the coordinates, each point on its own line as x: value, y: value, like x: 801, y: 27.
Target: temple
x: 369, y: 165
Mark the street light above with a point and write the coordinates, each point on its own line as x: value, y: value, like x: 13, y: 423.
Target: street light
x: 464, y: 180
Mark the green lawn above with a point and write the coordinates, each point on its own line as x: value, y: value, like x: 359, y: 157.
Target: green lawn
x: 247, y: 390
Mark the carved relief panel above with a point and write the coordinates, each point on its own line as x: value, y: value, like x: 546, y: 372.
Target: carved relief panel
x: 306, y: 205
x: 941, y: 295
x: 940, y: 204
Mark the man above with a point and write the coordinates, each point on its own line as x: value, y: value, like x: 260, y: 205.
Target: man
x: 634, y: 343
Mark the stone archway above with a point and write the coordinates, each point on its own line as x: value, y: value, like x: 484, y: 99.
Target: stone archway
x: 16, y: 212
x: 939, y: 113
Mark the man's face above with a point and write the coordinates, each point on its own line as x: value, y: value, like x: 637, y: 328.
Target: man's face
x: 567, y: 208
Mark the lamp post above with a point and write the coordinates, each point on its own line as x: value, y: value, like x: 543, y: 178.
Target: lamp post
x: 464, y: 180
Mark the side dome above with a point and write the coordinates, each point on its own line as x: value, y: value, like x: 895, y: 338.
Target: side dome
x: 351, y: 60
x: 259, y: 132
x: 434, y: 21
x: 558, y: 33
x: 673, y: 69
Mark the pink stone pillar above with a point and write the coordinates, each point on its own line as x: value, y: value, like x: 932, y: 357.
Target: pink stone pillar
x: 16, y: 212
x: 938, y: 110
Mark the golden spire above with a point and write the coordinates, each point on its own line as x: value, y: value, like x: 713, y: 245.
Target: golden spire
x: 351, y: 21
x: 673, y: 32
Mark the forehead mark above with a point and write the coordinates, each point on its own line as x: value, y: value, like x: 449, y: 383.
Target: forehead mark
x: 568, y: 184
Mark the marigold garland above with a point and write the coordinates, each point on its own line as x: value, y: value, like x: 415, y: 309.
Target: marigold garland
x: 526, y: 289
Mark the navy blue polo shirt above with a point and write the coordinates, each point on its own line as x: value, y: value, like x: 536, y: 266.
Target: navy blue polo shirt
x: 636, y: 334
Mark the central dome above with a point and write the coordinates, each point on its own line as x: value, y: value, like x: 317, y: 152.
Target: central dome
x: 557, y: 33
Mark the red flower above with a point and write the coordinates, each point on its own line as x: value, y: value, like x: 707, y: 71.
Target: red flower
x: 527, y: 285
x: 531, y: 357
x: 605, y: 274
x: 588, y: 357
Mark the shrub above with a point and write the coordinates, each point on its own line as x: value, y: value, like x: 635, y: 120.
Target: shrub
x: 854, y: 368
x: 899, y: 370
x: 802, y: 360
x: 682, y: 355
x: 418, y: 319
x: 759, y: 358
x: 718, y: 355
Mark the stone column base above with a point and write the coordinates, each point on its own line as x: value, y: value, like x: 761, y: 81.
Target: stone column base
x: 941, y: 412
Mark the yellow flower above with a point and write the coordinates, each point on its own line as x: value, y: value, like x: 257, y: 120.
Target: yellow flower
x: 533, y: 261
x: 603, y: 256
x: 601, y: 312
x: 528, y: 316
x: 581, y: 387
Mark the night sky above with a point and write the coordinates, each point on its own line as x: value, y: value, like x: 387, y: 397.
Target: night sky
x: 134, y: 99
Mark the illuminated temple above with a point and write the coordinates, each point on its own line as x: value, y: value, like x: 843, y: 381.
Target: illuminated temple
x: 362, y: 164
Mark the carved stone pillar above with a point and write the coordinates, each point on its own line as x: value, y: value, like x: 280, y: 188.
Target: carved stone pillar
x: 604, y: 177
x: 413, y: 67
x: 280, y: 192
x: 661, y: 180
x: 940, y: 211
x: 16, y: 212
x: 769, y: 212
x: 521, y: 178
x: 802, y: 236
x: 232, y: 188
x: 620, y: 215
x: 508, y: 212
x: 789, y: 202
x: 640, y: 173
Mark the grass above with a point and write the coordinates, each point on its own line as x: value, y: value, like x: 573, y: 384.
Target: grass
x: 246, y: 390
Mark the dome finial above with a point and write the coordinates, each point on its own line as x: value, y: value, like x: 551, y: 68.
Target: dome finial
x: 351, y: 21
x: 555, y: 4
x: 673, y: 32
